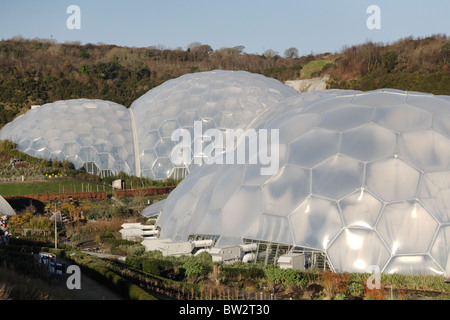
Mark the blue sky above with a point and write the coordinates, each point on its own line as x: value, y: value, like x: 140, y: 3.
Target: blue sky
x: 258, y: 25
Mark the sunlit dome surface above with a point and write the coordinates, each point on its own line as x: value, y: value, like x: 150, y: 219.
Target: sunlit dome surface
x: 219, y: 99
x: 363, y: 177
x: 5, y: 208
x: 96, y: 133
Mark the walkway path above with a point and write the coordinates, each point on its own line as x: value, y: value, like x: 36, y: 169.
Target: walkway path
x: 90, y: 288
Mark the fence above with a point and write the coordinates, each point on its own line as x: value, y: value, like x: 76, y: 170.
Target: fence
x: 96, y: 194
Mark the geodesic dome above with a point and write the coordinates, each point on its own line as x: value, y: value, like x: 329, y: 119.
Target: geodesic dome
x: 363, y: 178
x: 5, y: 208
x: 94, y: 133
x: 107, y: 138
x: 219, y: 99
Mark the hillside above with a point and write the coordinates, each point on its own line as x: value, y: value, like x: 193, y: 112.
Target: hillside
x: 38, y: 71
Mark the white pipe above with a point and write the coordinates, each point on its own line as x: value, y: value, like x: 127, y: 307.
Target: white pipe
x: 249, y: 247
x: 248, y: 257
x: 203, y: 243
x: 150, y: 232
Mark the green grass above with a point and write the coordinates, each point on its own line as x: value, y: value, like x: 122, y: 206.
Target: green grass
x: 313, y: 66
x: 57, y: 186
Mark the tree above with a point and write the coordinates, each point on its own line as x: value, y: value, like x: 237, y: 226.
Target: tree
x: 270, y: 53
x: 194, y: 46
x: 291, y: 53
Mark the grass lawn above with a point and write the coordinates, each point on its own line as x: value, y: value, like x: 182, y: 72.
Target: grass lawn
x: 56, y: 186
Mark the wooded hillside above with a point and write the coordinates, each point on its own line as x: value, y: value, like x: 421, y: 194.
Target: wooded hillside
x: 38, y: 71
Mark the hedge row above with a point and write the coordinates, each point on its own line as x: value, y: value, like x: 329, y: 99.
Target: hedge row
x: 116, y: 282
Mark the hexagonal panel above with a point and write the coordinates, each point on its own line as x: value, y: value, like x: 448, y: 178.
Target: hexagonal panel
x: 441, y: 124
x: 104, y: 161
x: 162, y: 167
x: 120, y: 166
x: 83, y: 126
x: 422, y: 101
x: 434, y: 192
x: 229, y: 180
x: 119, y: 153
x: 272, y: 228
x: 101, y: 146
x: 293, y: 128
x: 148, y: 159
x: 186, y: 204
x: 86, y: 154
x: 42, y: 153
x: 441, y: 246
x: 117, y: 140
x: 314, y: 147
x: 187, y: 118
x: 100, y: 132
x: 85, y: 140
x: 211, y: 223
x: 205, y: 180
x: 346, y: 117
x: 315, y: 223
x: 253, y: 176
x: 328, y: 103
x: 55, y: 145
x: 428, y: 150
x: 164, y: 147
x: 167, y: 128
x: 149, y: 140
x: 239, y: 214
x: 354, y: 250
x: 403, y: 118
x: 392, y: 179
x: 225, y: 120
x: 337, y: 177
x: 200, y: 210
x: 360, y: 209
x: 283, y: 192
x: 406, y: 227
x: 413, y: 264
x: 380, y: 98
x: 369, y: 142
x: 38, y: 143
x: 51, y: 133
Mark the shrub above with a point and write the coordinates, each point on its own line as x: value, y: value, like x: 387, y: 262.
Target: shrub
x: 133, y: 262
x: 285, y: 276
x: 355, y: 289
x: 151, y: 266
x: 136, y: 250
x: 192, y: 269
x: 335, y: 282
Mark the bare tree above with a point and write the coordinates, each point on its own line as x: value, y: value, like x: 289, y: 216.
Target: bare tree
x: 194, y: 45
x: 270, y: 53
x: 291, y: 53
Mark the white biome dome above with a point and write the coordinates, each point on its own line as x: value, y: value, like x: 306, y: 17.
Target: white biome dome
x: 217, y: 99
x: 363, y: 179
x: 107, y: 138
x: 94, y: 133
